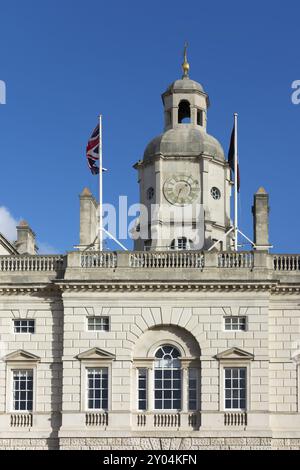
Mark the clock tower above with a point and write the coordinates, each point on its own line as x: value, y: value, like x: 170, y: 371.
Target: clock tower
x: 184, y: 178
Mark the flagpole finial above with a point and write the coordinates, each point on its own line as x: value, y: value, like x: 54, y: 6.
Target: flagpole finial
x: 185, y: 65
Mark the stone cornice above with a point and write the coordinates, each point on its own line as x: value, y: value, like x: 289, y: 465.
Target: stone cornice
x: 20, y: 289
x: 187, y: 157
x: 123, y: 286
x: 56, y: 287
x: 286, y: 289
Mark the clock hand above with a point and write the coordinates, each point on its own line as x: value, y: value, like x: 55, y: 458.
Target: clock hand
x: 179, y: 194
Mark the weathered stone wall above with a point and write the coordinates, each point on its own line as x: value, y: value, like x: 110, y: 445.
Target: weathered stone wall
x: 284, y: 340
x: 152, y: 444
x: 29, y: 444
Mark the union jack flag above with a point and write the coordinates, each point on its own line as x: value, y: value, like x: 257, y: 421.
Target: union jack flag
x: 92, y: 151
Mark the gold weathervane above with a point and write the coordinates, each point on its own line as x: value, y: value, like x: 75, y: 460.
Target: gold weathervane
x: 185, y: 65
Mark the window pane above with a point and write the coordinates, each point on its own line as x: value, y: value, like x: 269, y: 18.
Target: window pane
x: 235, y: 323
x: 167, y: 378
x: 193, y: 389
x: 142, y: 389
x: 24, y: 326
x: 22, y: 390
x: 97, y: 388
x: 235, y: 388
x: 98, y: 323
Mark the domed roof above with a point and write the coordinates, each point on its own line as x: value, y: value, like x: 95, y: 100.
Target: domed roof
x: 185, y: 140
x: 185, y: 84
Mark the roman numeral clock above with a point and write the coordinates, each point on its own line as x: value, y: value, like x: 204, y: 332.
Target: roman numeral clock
x: 181, y: 190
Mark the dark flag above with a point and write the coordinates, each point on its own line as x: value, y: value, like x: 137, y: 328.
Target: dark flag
x: 92, y: 151
x: 231, y: 157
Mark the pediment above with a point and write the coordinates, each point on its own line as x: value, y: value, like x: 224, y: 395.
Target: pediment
x: 95, y: 353
x: 6, y: 247
x: 21, y: 356
x: 235, y: 353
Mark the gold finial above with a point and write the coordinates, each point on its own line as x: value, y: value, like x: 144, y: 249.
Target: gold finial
x: 185, y: 65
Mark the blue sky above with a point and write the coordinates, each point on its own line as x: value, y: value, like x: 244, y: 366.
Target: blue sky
x: 64, y: 61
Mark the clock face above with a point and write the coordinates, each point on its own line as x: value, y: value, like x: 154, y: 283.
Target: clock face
x: 181, y: 190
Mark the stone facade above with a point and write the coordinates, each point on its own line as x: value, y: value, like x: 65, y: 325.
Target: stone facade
x: 148, y: 306
x: 159, y: 349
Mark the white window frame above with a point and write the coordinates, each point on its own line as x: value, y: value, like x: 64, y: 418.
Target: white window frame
x: 147, y: 371
x: 94, y: 317
x: 94, y: 364
x: 233, y: 317
x: 24, y: 320
x: 238, y: 367
x: 96, y: 410
x: 149, y: 364
x: 13, y: 374
x: 197, y: 378
x: 10, y: 388
x: 171, y: 369
x: 234, y: 363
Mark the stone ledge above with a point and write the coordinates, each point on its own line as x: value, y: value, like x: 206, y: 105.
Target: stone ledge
x: 152, y: 443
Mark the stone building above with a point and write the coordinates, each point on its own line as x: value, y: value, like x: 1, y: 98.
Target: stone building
x: 169, y: 346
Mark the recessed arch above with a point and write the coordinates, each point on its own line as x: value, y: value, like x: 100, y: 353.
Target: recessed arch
x: 149, y: 342
x: 184, y: 112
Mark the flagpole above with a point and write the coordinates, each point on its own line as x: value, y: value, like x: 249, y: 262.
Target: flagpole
x: 100, y: 187
x: 235, y: 182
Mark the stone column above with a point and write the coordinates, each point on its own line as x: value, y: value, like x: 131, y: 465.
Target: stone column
x: 150, y: 393
x: 88, y: 218
x: 193, y: 115
x: 25, y: 239
x: 260, y: 212
x: 174, y: 116
x: 185, y: 386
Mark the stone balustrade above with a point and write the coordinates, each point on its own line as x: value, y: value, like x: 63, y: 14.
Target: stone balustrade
x: 167, y: 421
x: 281, y: 263
x: 96, y: 419
x: 286, y: 262
x: 167, y: 259
x: 235, y: 419
x: 21, y: 420
x: 98, y: 259
x: 32, y: 263
x: 236, y: 260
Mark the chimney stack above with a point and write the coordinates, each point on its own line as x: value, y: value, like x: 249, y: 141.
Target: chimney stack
x: 260, y: 212
x: 25, y: 243
x: 88, y: 218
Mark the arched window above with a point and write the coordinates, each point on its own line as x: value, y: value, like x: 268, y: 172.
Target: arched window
x: 167, y: 379
x: 181, y: 244
x: 167, y: 363
x: 184, y: 112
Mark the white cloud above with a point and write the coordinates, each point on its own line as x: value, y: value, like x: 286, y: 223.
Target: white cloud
x: 8, y: 224
x: 46, y: 249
